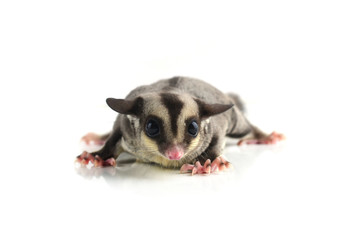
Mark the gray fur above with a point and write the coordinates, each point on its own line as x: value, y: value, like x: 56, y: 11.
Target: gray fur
x: 128, y: 131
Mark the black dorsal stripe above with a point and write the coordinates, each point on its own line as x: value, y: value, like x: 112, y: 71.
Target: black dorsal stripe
x: 174, y: 106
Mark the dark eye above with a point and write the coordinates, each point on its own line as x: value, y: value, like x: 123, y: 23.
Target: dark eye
x: 193, y: 128
x: 152, y: 128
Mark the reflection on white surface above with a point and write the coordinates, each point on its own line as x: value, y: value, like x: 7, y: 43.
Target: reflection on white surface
x: 144, y: 178
x: 276, y: 191
x: 137, y: 177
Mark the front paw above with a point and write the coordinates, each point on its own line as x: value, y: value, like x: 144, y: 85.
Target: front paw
x: 85, y: 158
x: 219, y: 164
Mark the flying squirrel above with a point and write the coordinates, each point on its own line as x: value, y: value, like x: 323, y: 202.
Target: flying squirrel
x: 179, y: 122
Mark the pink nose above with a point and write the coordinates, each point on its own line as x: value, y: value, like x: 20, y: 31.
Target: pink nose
x: 174, y: 153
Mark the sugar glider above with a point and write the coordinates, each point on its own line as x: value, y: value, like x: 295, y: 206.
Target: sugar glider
x: 179, y: 122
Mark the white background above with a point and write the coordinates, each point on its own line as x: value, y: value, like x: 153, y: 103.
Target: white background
x: 60, y: 60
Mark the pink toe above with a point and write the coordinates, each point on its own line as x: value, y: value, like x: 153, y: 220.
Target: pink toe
x: 207, y: 163
x: 208, y: 170
x: 110, y: 162
x: 214, y: 167
x: 186, y: 168
x: 219, y: 164
x: 198, y: 164
x: 98, y: 161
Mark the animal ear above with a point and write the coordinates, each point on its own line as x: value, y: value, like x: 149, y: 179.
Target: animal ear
x: 207, y: 110
x: 123, y: 106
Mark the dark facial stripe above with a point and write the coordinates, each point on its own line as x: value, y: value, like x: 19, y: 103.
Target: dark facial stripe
x: 174, y: 106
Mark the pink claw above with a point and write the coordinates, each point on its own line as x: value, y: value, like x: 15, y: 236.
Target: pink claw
x: 98, y: 161
x: 207, y: 166
x: 215, y: 166
x: 198, y: 168
x: 194, y: 171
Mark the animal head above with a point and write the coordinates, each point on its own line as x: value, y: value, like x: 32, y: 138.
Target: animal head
x: 166, y: 128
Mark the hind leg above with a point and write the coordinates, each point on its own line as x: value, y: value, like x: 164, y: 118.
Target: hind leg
x: 256, y: 136
x: 240, y: 127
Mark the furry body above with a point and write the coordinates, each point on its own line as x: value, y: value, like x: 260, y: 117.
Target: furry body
x: 191, y: 119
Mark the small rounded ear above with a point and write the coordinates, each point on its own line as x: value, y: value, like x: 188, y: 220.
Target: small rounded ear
x: 124, y: 106
x: 207, y: 110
